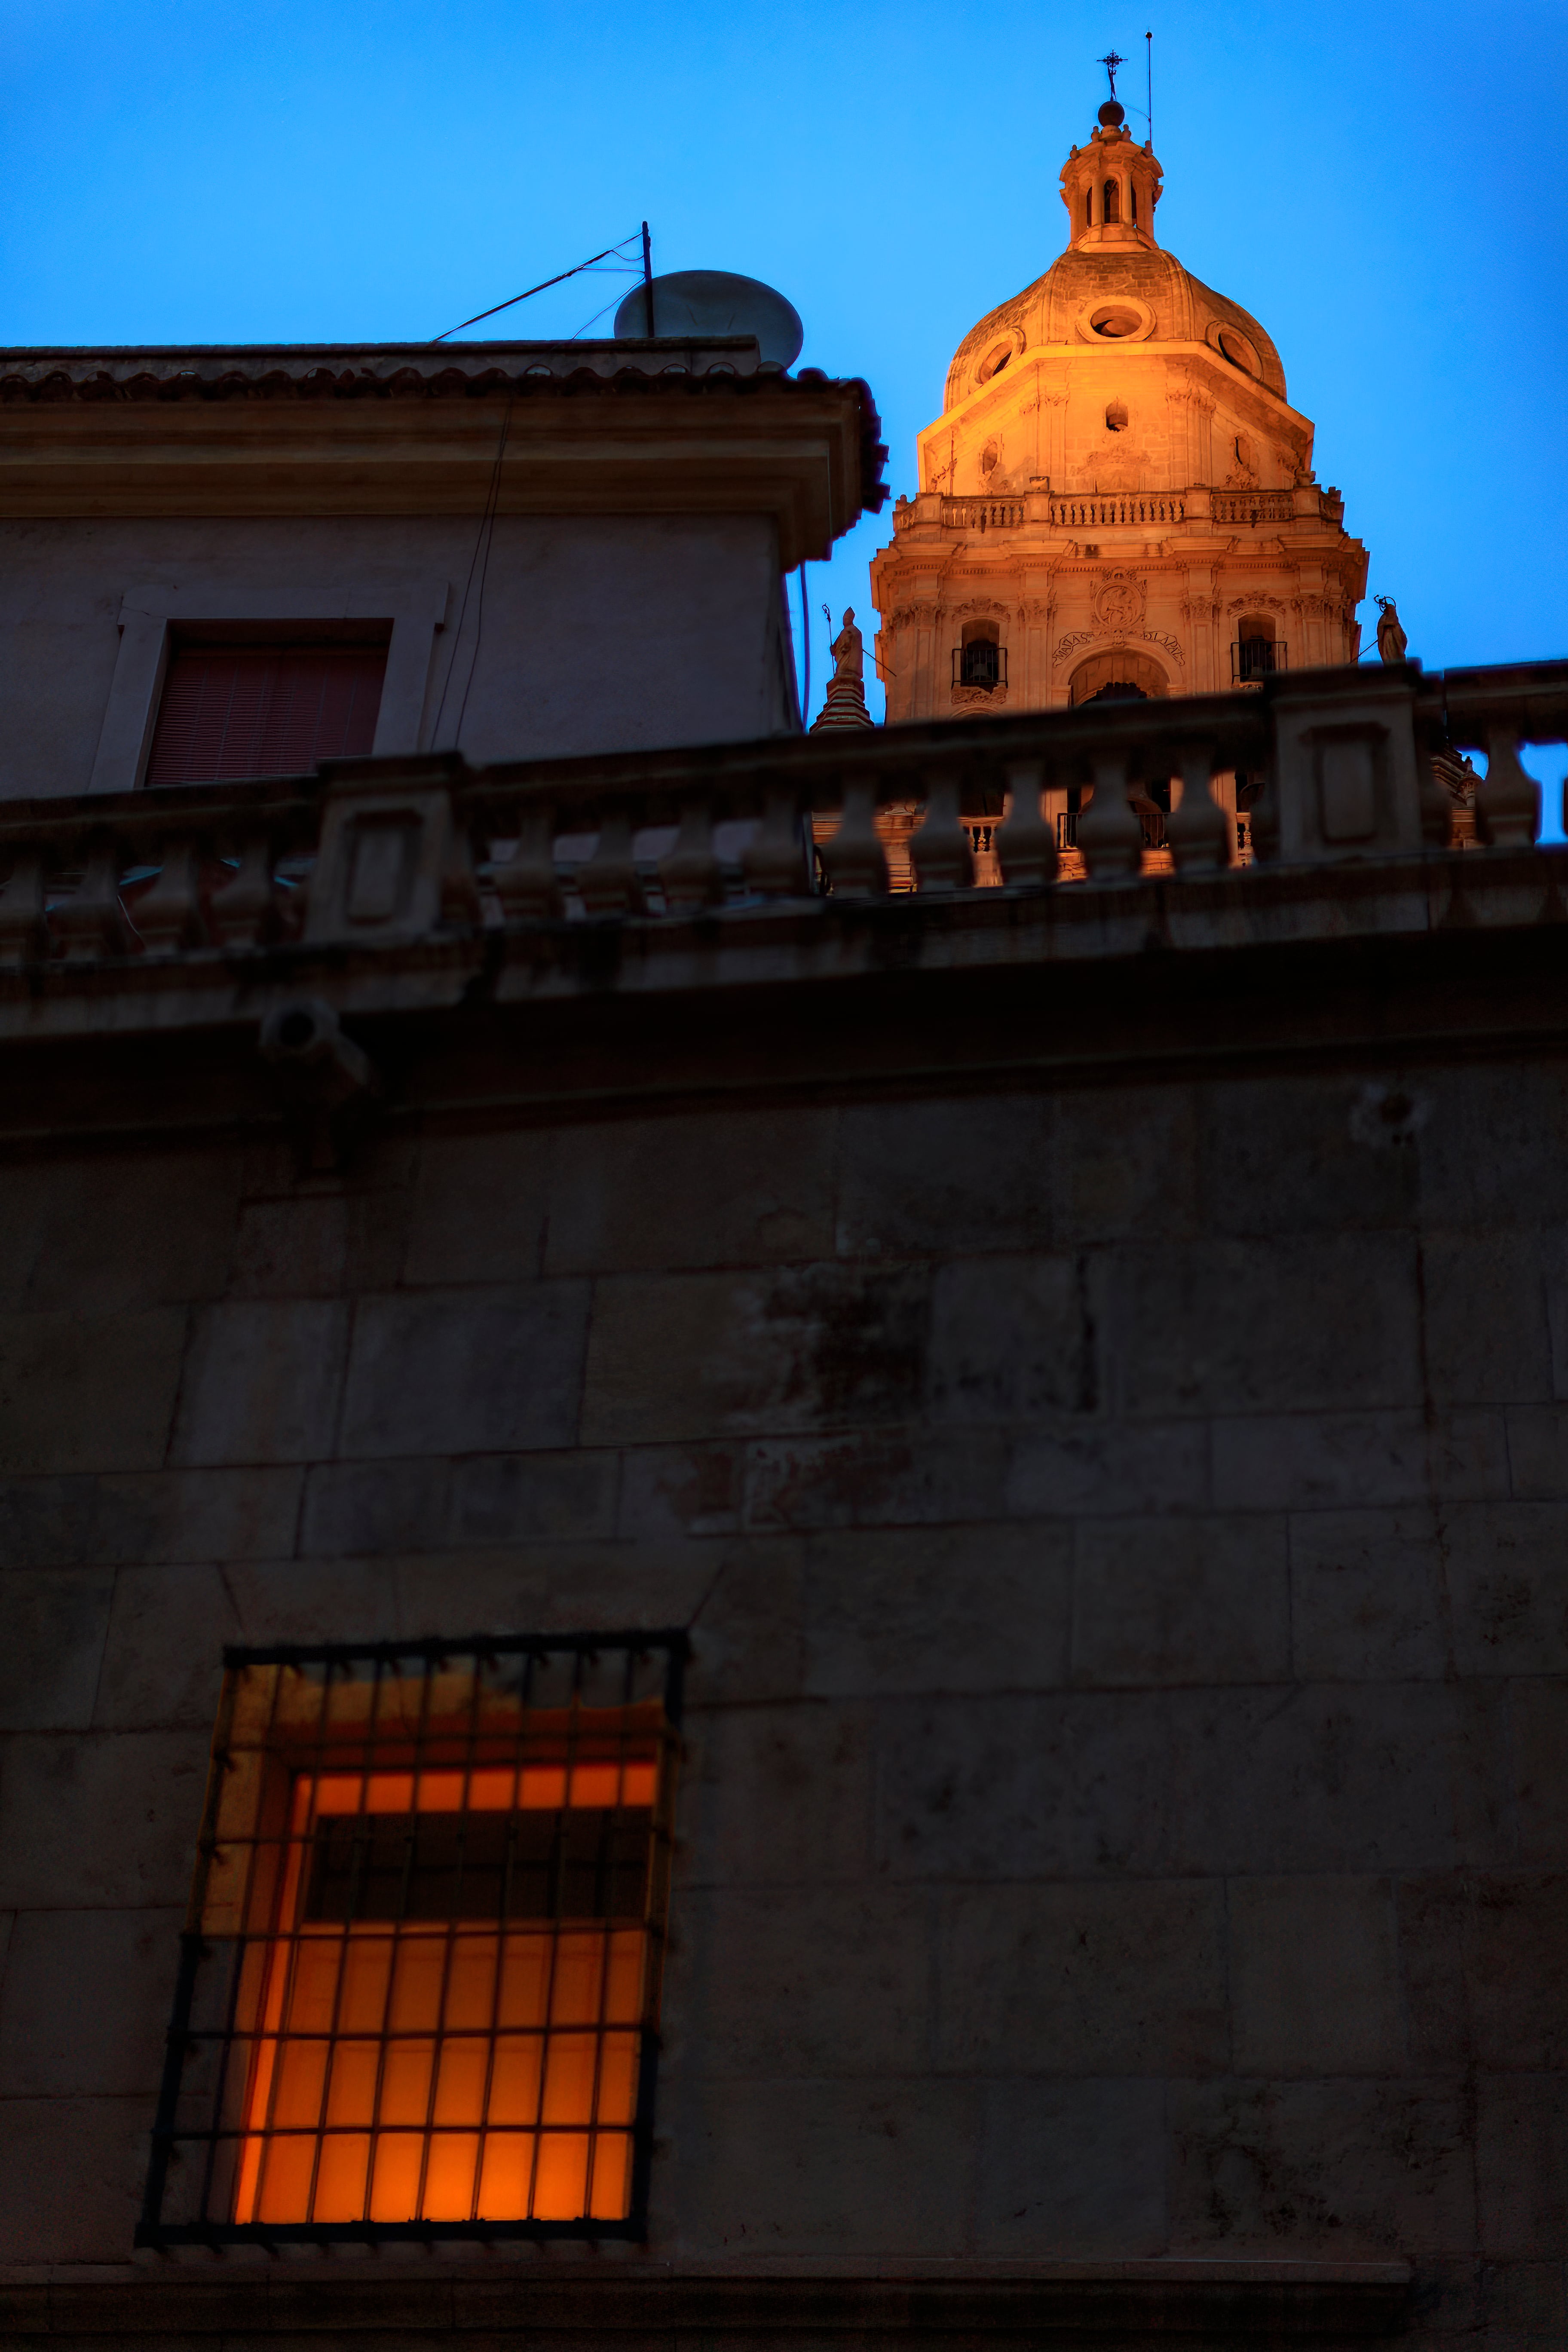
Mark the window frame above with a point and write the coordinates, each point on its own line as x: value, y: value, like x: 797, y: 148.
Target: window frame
x: 261, y: 642
x: 153, y: 2229
x: 412, y: 605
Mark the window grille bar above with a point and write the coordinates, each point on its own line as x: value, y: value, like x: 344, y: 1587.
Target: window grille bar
x: 440, y: 1828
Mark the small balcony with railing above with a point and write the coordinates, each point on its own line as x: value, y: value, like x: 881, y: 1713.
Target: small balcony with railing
x: 1254, y: 659
x: 979, y: 667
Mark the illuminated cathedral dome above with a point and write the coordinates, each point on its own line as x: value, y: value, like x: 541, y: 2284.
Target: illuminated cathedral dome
x: 1113, y: 286
x: 1117, y: 497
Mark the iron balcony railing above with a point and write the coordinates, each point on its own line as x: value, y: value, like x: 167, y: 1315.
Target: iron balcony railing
x: 982, y: 664
x: 1252, y: 659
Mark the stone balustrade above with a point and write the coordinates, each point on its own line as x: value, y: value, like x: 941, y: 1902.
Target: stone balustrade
x: 983, y: 514
x: 391, y: 853
x: 1230, y: 508
x: 1252, y: 506
x: 1112, y: 509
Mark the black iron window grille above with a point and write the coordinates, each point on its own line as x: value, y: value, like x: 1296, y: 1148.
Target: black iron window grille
x: 981, y: 663
x: 1252, y: 659
x: 419, y: 1981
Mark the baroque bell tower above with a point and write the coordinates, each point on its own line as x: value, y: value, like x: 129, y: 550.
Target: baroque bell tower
x: 1117, y: 498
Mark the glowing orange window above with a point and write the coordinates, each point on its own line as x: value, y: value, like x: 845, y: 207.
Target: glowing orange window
x: 420, y: 1988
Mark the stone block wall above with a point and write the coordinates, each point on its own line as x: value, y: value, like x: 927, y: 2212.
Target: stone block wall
x: 1123, y: 1530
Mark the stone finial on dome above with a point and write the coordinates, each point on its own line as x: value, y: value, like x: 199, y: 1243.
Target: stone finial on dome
x: 845, y: 702
x: 1112, y: 114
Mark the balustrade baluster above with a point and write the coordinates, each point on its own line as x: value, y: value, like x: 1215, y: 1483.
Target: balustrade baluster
x: 244, y: 912
x: 856, y: 861
x: 1438, y: 810
x: 527, y: 884
x: 692, y: 874
x: 1198, y: 830
x: 940, y: 850
x: 461, y: 902
x: 608, y: 880
x: 1027, y: 844
x: 1508, y: 801
x: 169, y: 914
x: 1108, y: 832
x: 92, y: 922
x: 23, y: 932
x: 773, y: 861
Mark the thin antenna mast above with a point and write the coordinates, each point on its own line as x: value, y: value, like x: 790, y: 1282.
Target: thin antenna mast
x: 1149, y: 55
x: 648, y: 278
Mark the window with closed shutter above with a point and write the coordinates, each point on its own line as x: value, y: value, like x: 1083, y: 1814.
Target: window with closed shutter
x: 230, y: 712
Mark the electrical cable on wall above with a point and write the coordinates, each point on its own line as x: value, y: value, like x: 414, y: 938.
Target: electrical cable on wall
x: 484, y: 539
x: 488, y: 530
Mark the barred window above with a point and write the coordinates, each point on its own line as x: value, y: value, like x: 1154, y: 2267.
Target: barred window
x: 419, y: 1988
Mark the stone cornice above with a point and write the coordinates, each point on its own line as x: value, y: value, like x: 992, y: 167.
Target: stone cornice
x: 327, y: 371
x: 414, y: 429
x: 1133, y: 2303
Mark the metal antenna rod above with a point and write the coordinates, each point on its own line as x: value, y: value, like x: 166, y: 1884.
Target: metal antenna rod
x: 648, y: 278
x: 1149, y: 54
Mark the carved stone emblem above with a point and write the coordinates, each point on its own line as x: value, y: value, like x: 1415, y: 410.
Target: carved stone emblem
x: 1119, y: 602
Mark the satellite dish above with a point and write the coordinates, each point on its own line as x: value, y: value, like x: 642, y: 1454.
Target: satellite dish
x: 701, y: 302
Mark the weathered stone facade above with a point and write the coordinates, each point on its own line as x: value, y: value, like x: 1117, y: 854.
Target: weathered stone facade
x: 1089, y: 1368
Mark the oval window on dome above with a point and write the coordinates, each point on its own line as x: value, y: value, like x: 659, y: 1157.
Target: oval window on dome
x: 995, y: 360
x: 1237, y: 352
x: 1114, y: 319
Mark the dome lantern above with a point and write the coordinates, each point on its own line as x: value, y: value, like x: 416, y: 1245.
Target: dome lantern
x: 1110, y: 188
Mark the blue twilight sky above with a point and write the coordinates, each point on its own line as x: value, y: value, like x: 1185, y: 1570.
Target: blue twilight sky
x: 1382, y: 184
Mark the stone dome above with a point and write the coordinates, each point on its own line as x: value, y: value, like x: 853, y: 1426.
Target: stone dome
x: 1145, y: 295
x: 1113, y: 285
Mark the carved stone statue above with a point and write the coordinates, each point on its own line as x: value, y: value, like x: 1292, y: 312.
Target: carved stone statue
x: 848, y: 652
x: 1390, y: 638
x: 845, y: 702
